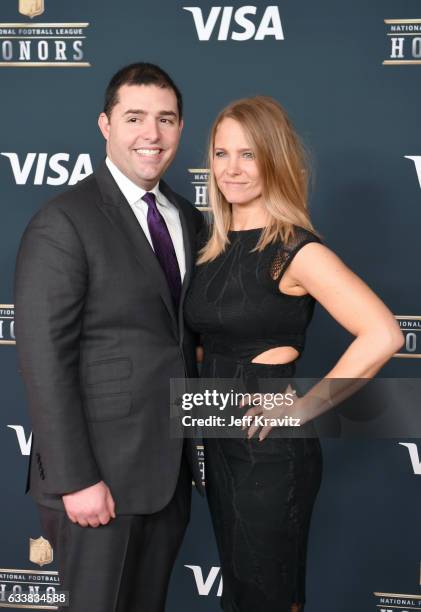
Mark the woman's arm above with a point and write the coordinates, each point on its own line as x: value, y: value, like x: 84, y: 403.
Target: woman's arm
x: 315, y: 269
x: 359, y: 310
x: 353, y: 305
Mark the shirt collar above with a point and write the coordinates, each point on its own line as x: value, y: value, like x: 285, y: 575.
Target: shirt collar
x: 132, y: 192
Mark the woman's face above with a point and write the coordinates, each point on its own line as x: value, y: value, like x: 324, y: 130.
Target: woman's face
x: 234, y: 165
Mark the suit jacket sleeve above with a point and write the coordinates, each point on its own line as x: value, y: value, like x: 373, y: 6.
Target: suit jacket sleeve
x: 50, y: 285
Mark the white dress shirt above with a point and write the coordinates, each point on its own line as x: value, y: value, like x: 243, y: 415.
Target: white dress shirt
x: 133, y: 194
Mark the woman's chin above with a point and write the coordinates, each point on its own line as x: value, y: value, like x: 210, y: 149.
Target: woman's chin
x: 238, y: 201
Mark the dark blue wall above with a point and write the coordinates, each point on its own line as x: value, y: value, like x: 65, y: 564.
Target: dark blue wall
x: 360, y: 119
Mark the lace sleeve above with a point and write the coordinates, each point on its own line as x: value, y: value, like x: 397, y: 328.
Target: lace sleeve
x: 286, y: 253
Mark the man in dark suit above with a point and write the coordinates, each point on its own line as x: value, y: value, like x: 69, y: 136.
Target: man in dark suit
x: 101, y: 276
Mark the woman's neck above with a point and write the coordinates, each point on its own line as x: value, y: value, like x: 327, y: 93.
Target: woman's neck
x: 244, y: 218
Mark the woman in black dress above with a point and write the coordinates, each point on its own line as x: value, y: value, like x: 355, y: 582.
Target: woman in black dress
x: 252, y: 298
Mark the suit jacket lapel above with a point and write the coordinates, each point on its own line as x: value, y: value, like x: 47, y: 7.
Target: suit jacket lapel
x: 119, y: 212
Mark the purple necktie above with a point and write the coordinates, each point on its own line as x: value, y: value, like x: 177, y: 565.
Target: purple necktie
x: 163, y: 247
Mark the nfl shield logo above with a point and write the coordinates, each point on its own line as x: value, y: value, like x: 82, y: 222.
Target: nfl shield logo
x: 40, y: 551
x: 31, y: 8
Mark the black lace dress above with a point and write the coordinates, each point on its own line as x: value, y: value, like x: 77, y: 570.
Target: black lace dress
x: 260, y: 494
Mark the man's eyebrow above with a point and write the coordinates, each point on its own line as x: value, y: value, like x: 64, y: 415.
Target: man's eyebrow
x: 167, y: 113
x: 138, y: 111
x: 134, y: 111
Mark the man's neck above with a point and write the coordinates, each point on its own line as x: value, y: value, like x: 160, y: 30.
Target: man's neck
x: 120, y: 176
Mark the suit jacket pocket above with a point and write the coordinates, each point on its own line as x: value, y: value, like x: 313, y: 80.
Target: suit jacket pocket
x: 108, y: 407
x: 107, y: 370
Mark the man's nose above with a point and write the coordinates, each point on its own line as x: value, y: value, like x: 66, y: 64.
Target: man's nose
x: 150, y: 130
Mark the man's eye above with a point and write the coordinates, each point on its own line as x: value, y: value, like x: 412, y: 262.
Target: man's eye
x: 166, y: 120
x: 133, y: 119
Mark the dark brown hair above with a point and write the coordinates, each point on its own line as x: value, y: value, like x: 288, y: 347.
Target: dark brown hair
x: 140, y: 74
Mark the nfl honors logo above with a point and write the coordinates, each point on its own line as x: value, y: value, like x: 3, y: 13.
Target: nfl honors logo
x: 7, y: 324
x: 201, y: 460
x: 33, y: 589
x: 404, y: 42
x: 411, y: 327
x: 46, y: 45
x: 395, y: 602
x: 40, y: 551
x: 199, y: 180
x: 31, y: 8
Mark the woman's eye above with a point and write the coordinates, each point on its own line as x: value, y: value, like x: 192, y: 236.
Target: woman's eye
x: 249, y: 155
x: 219, y: 153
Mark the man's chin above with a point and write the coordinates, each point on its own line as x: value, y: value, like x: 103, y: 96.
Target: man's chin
x: 146, y: 180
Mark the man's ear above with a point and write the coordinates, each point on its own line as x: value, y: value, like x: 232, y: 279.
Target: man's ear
x: 181, y: 125
x: 104, y: 125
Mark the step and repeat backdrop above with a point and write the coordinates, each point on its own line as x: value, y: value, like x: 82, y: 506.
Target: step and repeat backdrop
x: 349, y: 75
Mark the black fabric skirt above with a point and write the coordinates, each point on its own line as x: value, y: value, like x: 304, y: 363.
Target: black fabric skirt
x: 261, y: 496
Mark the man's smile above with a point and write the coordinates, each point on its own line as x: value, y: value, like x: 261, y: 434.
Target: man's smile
x: 147, y: 152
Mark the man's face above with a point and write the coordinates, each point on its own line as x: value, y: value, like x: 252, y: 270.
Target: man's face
x: 142, y: 132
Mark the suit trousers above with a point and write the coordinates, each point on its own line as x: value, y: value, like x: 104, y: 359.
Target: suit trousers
x: 124, y: 566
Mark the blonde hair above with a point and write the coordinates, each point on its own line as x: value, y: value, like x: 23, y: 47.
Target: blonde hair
x: 284, y: 168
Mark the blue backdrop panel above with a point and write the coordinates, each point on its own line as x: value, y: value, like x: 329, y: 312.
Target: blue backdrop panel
x: 348, y: 74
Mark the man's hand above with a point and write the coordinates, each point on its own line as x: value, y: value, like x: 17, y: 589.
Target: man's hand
x: 93, y: 506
